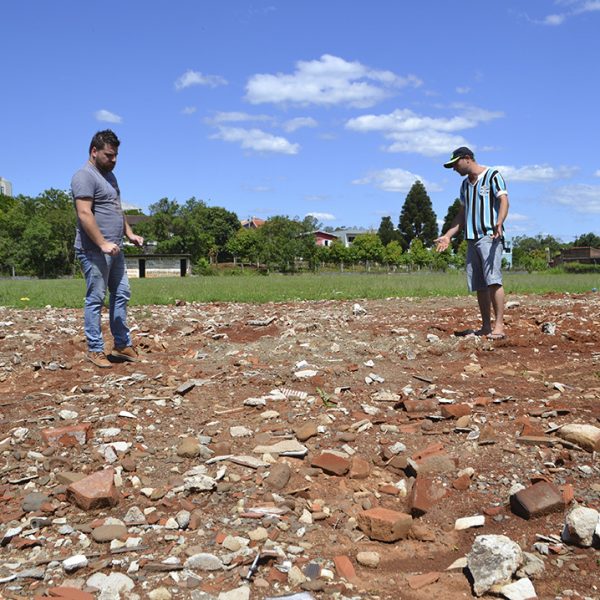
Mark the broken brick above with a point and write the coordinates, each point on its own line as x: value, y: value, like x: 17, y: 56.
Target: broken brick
x: 537, y: 500
x: 384, y: 524
x: 69, y: 436
x: 332, y: 464
x: 95, y: 491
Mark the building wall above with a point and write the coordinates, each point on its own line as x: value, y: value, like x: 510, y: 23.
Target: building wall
x: 5, y: 187
x: 156, y: 266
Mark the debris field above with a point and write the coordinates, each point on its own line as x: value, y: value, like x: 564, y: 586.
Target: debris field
x: 329, y: 449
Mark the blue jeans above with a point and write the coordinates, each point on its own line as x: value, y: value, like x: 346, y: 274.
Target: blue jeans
x: 102, y: 271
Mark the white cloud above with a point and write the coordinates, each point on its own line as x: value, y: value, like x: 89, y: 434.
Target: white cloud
x: 257, y: 189
x: 583, y: 198
x: 573, y: 8
x: 316, y: 197
x: 236, y: 117
x: 537, y: 172
x: 257, y: 140
x: 327, y: 81
x: 554, y: 20
x: 189, y: 110
x: 321, y: 216
x: 514, y: 217
x: 298, y: 123
x: 463, y: 89
x: 430, y: 136
x: 394, y: 180
x: 597, y: 173
x: 190, y: 78
x: 107, y: 116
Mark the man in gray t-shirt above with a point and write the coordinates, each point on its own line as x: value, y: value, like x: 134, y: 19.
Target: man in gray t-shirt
x: 101, y: 226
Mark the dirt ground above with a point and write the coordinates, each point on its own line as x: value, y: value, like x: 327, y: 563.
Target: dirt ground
x: 528, y: 383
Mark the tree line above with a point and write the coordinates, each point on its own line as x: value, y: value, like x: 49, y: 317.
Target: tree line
x: 37, y: 235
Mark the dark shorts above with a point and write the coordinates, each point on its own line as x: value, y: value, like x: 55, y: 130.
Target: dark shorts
x: 484, y: 261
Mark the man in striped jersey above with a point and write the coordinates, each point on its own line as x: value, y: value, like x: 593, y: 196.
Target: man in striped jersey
x: 484, y: 206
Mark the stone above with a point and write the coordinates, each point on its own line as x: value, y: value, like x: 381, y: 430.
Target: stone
x: 580, y: 526
x: 537, y: 500
x: 468, y: 522
x: 240, y: 593
x: 199, y: 483
x: 285, y: 447
x: 424, y: 494
x: 238, y: 431
x: 519, y: 590
x: 384, y: 524
x: 33, y: 502
x: 492, y: 560
x: 332, y: 464
x: 418, y: 581
x: 111, y: 585
x: 279, y: 476
x: 368, y: 559
x: 532, y: 567
x: 161, y: 593
x: 189, y: 447
x: 75, y: 562
x: 134, y: 516
x: 95, y: 491
x: 204, y: 562
x: 69, y: 436
x: 306, y: 431
x: 585, y: 436
x: 108, y: 533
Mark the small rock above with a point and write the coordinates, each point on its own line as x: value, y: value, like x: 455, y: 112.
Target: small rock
x: 368, y: 559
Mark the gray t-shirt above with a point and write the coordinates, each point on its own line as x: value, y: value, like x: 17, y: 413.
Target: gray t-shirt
x: 89, y: 182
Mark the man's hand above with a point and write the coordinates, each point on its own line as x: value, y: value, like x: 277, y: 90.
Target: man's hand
x: 110, y: 248
x: 138, y: 240
x: 442, y: 243
x: 497, y: 231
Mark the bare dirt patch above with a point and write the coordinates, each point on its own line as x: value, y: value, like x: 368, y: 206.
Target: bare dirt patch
x: 329, y: 364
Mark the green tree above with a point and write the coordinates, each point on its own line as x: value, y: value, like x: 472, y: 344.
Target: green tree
x: 368, y: 248
x: 339, y: 253
x: 588, y: 239
x: 534, y: 253
x: 453, y: 210
x: 417, y: 219
x: 386, y: 231
x: 245, y: 245
x: 417, y: 255
x: 283, y: 241
x: 392, y: 253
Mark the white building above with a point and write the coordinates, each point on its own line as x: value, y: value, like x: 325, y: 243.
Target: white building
x: 5, y: 187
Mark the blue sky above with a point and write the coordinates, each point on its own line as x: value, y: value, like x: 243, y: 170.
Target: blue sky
x: 295, y: 107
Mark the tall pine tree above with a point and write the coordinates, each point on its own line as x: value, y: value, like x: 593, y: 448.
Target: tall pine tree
x: 386, y: 231
x: 452, y: 212
x: 417, y: 219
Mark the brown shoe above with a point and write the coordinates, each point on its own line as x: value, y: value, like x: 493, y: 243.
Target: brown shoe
x: 129, y: 354
x: 99, y: 359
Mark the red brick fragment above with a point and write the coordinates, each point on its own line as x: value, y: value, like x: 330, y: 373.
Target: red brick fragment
x: 418, y: 581
x: 69, y: 436
x: 95, y: 491
x: 345, y: 568
x: 359, y: 468
x: 384, y: 524
x: 537, y: 500
x: 331, y: 463
x: 69, y: 593
x: 454, y: 411
x: 424, y: 494
x: 462, y: 483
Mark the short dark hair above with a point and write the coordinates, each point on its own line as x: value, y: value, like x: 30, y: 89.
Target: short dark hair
x: 107, y: 137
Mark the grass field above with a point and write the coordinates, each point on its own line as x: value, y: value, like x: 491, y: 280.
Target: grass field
x: 278, y: 288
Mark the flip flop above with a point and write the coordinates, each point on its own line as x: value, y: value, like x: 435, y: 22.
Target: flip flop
x: 495, y: 336
x: 466, y: 332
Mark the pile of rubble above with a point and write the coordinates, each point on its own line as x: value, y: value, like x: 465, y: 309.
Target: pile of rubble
x: 308, y: 450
